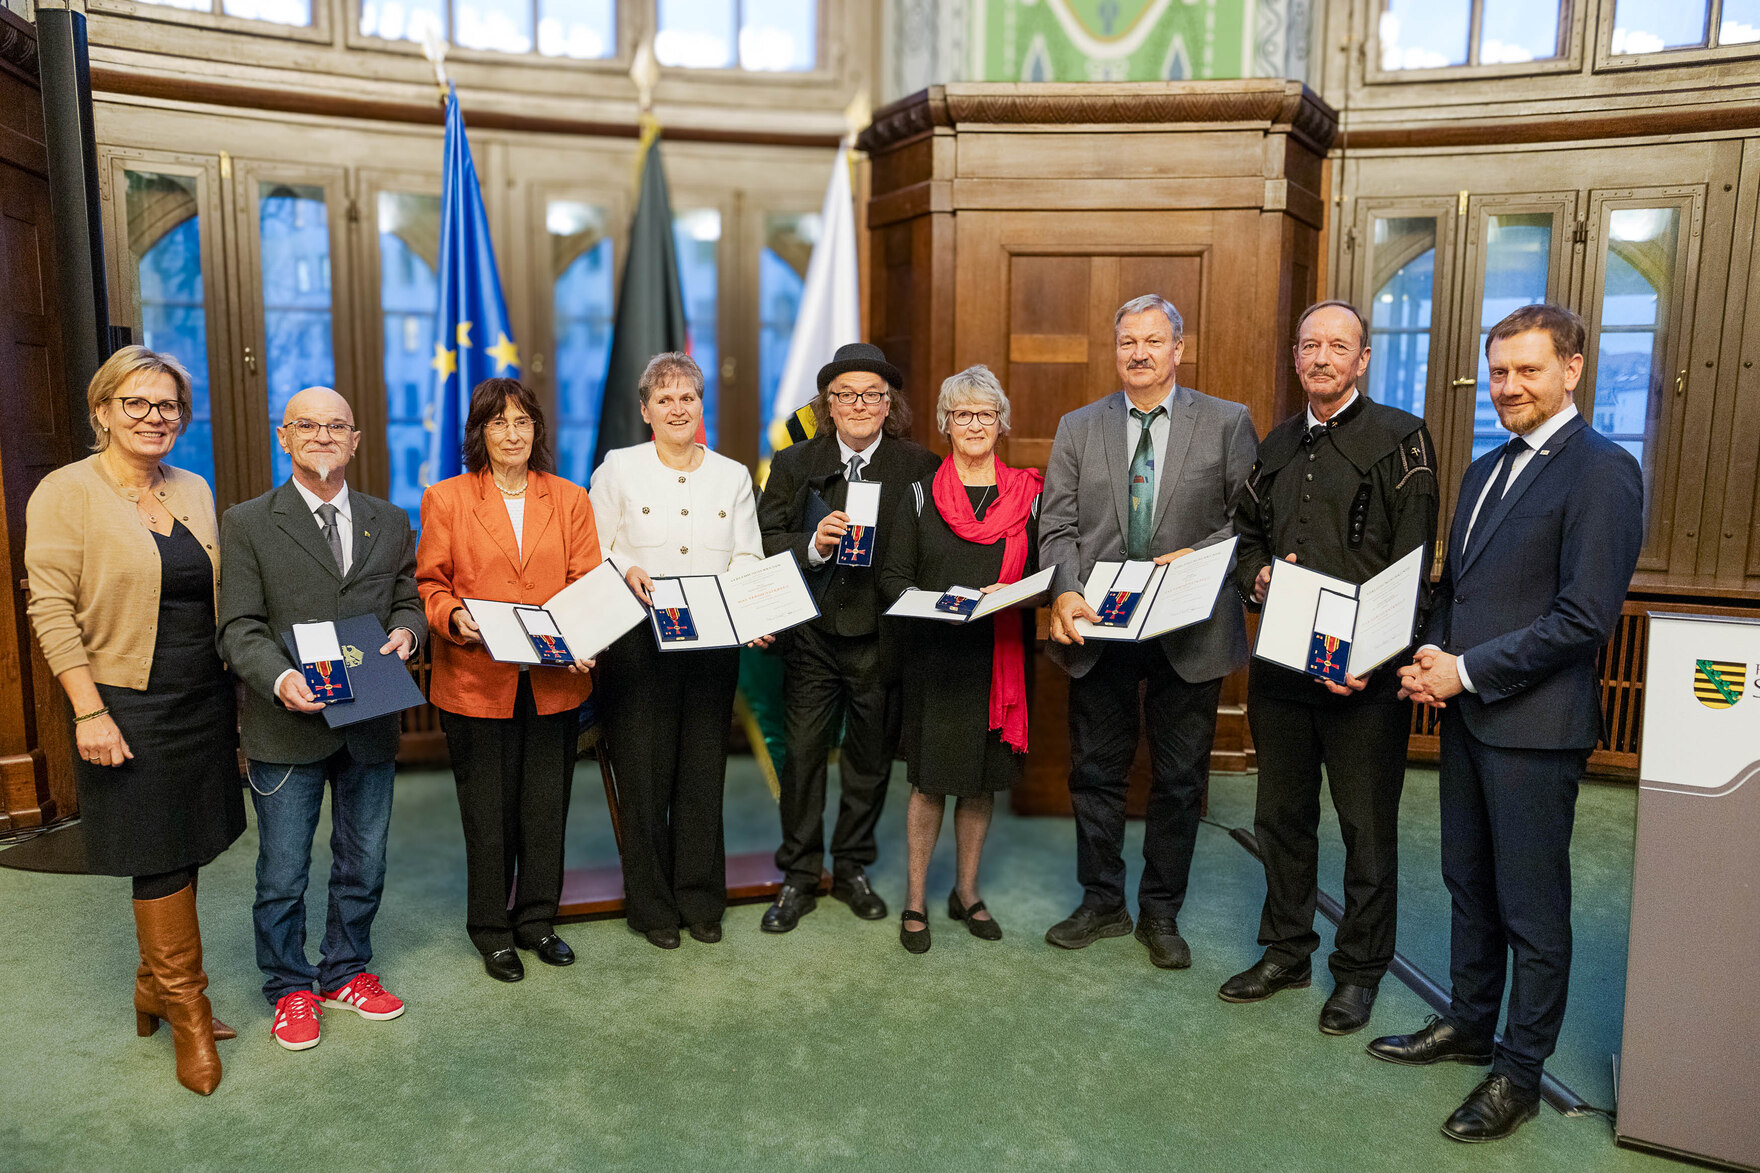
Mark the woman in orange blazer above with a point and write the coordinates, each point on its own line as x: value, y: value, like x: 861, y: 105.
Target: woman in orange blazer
x: 506, y: 529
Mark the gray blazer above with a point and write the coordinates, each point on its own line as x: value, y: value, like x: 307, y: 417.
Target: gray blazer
x: 1211, y: 446
x: 276, y: 571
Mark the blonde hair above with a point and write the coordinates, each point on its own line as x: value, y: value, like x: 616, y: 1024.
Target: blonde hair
x: 115, y: 374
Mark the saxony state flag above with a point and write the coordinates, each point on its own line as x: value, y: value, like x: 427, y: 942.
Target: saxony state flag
x: 1718, y: 683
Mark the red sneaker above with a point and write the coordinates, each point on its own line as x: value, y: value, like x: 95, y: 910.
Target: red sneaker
x: 296, y: 1021
x: 366, y: 997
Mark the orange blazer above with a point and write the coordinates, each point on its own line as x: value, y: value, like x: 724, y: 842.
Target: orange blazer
x: 468, y: 551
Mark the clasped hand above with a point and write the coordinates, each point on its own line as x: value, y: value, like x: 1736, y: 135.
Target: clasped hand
x: 1431, y: 678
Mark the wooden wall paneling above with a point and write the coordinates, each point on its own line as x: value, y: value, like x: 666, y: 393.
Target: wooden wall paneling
x: 1740, y: 554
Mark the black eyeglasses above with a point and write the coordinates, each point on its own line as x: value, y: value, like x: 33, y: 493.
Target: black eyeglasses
x: 962, y: 418
x: 137, y: 407
x: 848, y: 398
x: 306, y: 429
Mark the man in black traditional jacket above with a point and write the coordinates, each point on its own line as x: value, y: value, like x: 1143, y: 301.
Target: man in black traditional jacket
x: 1347, y: 487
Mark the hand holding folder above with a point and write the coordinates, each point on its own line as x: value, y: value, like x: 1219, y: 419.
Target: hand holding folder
x: 376, y: 683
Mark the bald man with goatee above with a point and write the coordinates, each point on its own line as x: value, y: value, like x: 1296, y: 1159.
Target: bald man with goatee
x: 309, y: 551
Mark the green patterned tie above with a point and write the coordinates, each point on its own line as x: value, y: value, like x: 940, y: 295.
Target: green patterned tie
x: 1142, y: 487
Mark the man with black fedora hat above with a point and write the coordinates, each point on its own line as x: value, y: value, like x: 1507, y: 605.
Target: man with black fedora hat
x: 833, y: 674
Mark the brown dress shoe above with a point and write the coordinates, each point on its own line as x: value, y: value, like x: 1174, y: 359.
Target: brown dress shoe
x: 171, y: 943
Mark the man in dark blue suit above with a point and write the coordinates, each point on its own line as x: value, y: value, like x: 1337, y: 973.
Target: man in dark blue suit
x: 1545, y: 538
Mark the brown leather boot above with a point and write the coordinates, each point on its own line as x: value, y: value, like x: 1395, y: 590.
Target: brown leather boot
x: 149, y: 1006
x: 171, y: 943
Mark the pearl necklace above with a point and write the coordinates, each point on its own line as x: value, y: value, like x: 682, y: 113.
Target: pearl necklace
x: 519, y: 492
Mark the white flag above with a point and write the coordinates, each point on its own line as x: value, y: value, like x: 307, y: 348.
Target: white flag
x: 830, y: 308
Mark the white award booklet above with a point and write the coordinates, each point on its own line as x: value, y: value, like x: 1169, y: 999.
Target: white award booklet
x: 1310, y: 619
x: 963, y: 604
x: 1140, y: 600
x: 591, y: 613
x: 735, y: 607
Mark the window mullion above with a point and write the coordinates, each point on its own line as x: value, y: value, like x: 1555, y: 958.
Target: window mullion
x: 1475, y: 28
x: 1713, y: 24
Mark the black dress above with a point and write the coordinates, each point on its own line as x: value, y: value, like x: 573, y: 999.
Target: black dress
x: 948, y: 745
x: 177, y: 803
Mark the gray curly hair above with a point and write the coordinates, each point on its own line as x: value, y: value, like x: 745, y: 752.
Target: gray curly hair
x: 975, y: 384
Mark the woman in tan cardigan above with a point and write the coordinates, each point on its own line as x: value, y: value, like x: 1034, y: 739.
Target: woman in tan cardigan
x: 123, y: 556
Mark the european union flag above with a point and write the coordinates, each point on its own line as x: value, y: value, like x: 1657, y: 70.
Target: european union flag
x: 472, y: 340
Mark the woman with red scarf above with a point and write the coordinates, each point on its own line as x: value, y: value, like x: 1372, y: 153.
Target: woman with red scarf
x: 965, y: 686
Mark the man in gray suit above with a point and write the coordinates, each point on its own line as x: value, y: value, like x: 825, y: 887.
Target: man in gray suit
x: 310, y: 551
x: 1150, y: 472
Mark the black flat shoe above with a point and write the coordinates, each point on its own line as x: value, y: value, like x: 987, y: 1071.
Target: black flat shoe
x: 504, y: 965
x: 1492, y: 1111
x: 553, y: 950
x: 1264, y: 978
x: 1086, y: 925
x: 790, y: 905
x: 708, y: 933
x: 662, y: 938
x: 855, y: 891
x: 1167, y: 949
x: 984, y: 930
x: 914, y: 940
x: 1348, y: 1010
x: 1437, y: 1042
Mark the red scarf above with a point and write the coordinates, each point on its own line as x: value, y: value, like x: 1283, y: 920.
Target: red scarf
x: 1006, y: 520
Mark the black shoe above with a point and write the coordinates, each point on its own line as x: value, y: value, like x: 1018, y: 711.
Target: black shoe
x: 709, y: 932
x: 1348, y: 1010
x: 855, y: 891
x: 553, y: 950
x: 1436, y: 1042
x: 791, y: 904
x: 1167, y: 949
x: 914, y: 940
x: 504, y: 965
x: 1086, y: 925
x: 662, y: 938
x: 1492, y: 1111
x: 984, y: 930
x: 1263, y: 979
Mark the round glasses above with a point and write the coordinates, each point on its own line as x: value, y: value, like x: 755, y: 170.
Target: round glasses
x: 306, y: 429
x: 850, y: 398
x: 136, y: 407
x: 500, y: 427
x: 962, y: 418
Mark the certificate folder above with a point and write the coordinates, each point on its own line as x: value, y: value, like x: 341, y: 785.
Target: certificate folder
x: 580, y: 621
x: 951, y: 607
x: 1326, y: 627
x: 1140, y: 600
x: 382, y: 684
x: 735, y: 607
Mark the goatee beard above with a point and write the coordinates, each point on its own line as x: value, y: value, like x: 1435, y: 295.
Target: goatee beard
x: 323, y: 471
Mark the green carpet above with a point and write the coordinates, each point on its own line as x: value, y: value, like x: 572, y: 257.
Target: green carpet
x: 826, y: 1046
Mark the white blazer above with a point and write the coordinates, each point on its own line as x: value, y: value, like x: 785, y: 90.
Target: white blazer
x: 669, y: 522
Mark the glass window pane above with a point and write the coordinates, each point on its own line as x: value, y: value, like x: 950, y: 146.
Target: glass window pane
x: 294, y: 226
x: 297, y: 12
x: 778, y: 34
x: 577, y: 28
x: 409, y: 247
x: 1740, y: 24
x: 1424, y: 34
x: 165, y: 248
x: 782, y: 268
x: 581, y: 273
x: 1650, y: 26
x: 697, y: 236
x: 1638, y: 289
x: 1519, y: 30
x: 697, y: 34
x: 404, y: 20
x: 504, y: 26
x: 1403, y: 255
x: 1518, y: 251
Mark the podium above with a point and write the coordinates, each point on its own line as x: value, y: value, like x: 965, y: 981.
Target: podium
x: 1688, y: 1081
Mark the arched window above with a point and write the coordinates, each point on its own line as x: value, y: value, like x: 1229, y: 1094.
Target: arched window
x: 408, y: 294
x: 1400, y: 311
x: 174, y: 320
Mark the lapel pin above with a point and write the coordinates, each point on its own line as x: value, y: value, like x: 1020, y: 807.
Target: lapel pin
x: 1546, y: 452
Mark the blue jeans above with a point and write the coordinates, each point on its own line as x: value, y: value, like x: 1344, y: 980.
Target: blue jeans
x: 288, y: 799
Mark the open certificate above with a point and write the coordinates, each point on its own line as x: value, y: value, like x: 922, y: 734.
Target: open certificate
x: 577, y: 623
x: 963, y: 604
x: 735, y: 607
x: 1140, y: 600
x: 1327, y: 627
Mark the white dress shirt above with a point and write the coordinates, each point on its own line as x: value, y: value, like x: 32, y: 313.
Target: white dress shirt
x: 1158, y: 430
x: 669, y: 522
x: 516, y: 513
x: 344, y: 521
x: 1537, y: 439
x: 845, y: 454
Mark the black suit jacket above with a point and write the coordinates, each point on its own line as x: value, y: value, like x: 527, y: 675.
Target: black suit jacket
x: 848, y: 597
x: 275, y: 571
x: 1533, y: 600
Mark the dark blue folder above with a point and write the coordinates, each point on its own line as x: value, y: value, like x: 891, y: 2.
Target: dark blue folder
x: 382, y: 684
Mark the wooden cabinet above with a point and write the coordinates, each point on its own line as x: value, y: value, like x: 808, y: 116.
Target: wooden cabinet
x: 1008, y: 222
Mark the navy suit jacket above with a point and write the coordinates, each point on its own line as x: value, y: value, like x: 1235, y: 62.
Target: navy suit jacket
x: 1535, y: 598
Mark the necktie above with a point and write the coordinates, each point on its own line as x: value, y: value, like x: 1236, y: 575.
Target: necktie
x: 327, y: 520
x: 1478, y: 527
x: 1313, y: 434
x: 1142, y: 527
x: 854, y: 472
